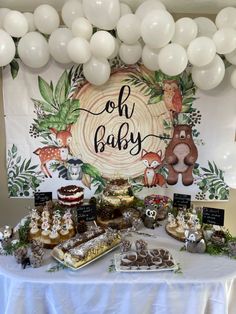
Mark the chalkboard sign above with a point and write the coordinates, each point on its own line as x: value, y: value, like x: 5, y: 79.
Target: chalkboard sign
x: 182, y: 201
x: 86, y: 212
x: 40, y: 198
x: 213, y: 216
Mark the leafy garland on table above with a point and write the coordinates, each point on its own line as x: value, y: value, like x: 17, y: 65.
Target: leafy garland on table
x: 217, y: 250
x: 23, y: 233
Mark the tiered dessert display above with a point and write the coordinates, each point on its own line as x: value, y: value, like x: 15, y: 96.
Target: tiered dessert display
x: 50, y: 226
x: 176, y: 226
x: 85, y: 248
x: 116, y: 207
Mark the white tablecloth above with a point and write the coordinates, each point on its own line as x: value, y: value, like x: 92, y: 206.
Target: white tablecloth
x: 206, y: 286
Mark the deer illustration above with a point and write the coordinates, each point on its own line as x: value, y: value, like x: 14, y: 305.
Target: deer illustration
x: 59, y: 153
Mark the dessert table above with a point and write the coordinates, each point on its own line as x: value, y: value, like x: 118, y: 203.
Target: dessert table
x: 207, y: 285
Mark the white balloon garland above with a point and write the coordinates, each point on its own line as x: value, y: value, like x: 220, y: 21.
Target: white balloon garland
x: 96, y: 31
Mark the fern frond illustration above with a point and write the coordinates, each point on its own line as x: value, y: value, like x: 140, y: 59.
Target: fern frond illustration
x: 23, y: 178
x: 211, y: 182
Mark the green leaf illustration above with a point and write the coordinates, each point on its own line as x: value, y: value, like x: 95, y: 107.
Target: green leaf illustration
x: 154, y: 100
x: 14, y: 149
x: 45, y: 90
x: 22, y: 179
x: 14, y: 68
x: 212, y: 182
x: 62, y: 88
x: 93, y: 172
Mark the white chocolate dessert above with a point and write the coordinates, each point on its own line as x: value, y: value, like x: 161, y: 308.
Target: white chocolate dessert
x: 64, y: 247
x: 82, y: 253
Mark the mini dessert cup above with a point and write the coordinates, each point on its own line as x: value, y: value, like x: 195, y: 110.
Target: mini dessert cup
x: 54, y: 237
x: 64, y: 234
x: 45, y: 236
x: 35, y: 233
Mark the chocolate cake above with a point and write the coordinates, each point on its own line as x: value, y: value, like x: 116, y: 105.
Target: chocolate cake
x: 70, y: 195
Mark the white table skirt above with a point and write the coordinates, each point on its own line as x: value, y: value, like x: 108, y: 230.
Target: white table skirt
x: 206, y: 286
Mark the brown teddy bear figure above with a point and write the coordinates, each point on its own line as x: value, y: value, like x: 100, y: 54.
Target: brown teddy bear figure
x: 181, y: 155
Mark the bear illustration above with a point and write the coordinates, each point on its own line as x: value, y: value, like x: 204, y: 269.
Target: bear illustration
x: 181, y: 155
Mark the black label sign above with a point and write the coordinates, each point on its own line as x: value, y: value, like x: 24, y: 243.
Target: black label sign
x: 213, y: 216
x: 41, y: 198
x: 182, y: 201
x: 87, y: 212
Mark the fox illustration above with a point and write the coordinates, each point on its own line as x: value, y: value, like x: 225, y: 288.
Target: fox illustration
x: 152, y: 162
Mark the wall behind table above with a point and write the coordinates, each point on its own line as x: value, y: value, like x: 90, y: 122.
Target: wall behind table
x: 11, y: 210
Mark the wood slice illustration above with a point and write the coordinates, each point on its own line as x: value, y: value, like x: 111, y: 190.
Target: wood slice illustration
x: 102, y: 130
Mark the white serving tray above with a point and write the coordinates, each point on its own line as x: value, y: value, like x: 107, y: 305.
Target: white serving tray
x: 85, y: 264
x: 118, y: 268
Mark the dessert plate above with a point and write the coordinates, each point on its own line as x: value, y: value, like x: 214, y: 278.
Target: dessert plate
x: 86, y: 263
x: 153, y: 268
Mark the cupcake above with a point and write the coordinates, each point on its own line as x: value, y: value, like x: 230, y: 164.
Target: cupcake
x: 64, y: 233
x: 54, y: 236
x: 34, y: 230
x: 45, y: 236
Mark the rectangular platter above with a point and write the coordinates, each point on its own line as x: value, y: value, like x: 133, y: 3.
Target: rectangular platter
x: 119, y: 268
x: 85, y: 264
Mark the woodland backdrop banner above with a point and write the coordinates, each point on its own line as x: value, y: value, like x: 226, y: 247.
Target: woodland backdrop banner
x: 61, y: 130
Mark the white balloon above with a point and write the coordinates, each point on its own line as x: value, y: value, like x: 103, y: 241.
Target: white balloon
x: 205, y: 27
x: 231, y: 57
x: 201, y: 51
x: 130, y: 54
x: 150, y: 58
x: 7, y: 48
x: 157, y: 28
x: 210, y: 75
x: 97, y: 71
x: 70, y: 11
x: 46, y: 19
x: 103, y: 14
x: 58, y: 42
x: 133, y: 4
x: 226, y: 18
x: 225, y: 156
x: 185, y: 31
x: 116, y: 50
x: 82, y: 28
x: 230, y: 179
x: 3, y: 13
x: 225, y: 40
x: 79, y: 50
x: 128, y: 29
x: 147, y: 7
x: 30, y: 20
x: 102, y: 44
x: 124, y: 9
x: 172, y: 59
x: 233, y: 78
x: 33, y: 50
x: 15, y: 24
